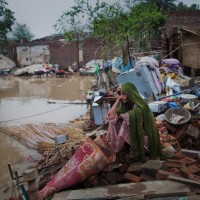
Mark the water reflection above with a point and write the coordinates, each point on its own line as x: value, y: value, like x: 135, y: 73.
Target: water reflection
x: 25, y: 100
x: 70, y: 88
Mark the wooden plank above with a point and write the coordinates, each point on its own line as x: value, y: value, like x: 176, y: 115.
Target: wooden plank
x: 137, y: 190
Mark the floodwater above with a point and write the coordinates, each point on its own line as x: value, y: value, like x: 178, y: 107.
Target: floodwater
x: 25, y: 100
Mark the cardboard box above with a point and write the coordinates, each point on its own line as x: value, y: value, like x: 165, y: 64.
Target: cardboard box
x: 158, y: 106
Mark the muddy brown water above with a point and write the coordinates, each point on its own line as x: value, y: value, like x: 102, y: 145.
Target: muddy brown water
x: 25, y: 100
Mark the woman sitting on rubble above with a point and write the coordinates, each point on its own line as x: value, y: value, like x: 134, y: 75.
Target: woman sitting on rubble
x: 130, y: 122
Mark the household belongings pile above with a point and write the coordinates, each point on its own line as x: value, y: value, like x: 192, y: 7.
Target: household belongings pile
x: 173, y: 76
x: 158, y: 83
x: 152, y: 80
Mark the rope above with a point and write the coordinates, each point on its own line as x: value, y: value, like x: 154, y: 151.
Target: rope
x: 34, y: 115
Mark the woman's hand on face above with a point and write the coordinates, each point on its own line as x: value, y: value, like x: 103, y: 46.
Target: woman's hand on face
x: 118, y: 94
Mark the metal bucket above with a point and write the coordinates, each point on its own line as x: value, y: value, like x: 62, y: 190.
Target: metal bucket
x: 188, y: 98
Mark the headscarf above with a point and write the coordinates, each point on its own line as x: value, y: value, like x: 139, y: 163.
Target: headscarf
x: 142, y: 122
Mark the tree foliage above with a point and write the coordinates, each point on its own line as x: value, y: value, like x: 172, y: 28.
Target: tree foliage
x: 21, y: 31
x: 132, y: 24
x: 145, y: 19
x: 6, y: 20
x: 117, y: 26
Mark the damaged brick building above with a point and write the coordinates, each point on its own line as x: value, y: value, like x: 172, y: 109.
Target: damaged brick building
x: 180, y: 39
x: 55, y: 50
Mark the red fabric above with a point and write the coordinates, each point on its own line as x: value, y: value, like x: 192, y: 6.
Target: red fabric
x: 87, y: 161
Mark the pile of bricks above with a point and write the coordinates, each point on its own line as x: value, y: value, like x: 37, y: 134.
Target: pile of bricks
x: 182, y: 168
x: 186, y: 136
x: 180, y: 165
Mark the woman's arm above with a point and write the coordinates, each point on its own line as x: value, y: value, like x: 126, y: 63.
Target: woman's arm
x: 113, y: 110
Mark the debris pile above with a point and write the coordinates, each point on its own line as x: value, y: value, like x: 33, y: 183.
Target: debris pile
x: 181, y: 168
x: 186, y: 136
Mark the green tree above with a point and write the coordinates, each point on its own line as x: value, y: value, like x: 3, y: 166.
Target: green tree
x: 75, y: 24
x: 6, y: 20
x: 145, y: 19
x: 118, y: 27
x: 21, y: 31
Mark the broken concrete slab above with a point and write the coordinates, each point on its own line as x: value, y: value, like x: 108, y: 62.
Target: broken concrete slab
x: 136, y: 190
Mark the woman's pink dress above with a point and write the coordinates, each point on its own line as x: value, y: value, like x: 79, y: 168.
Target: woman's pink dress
x: 118, y: 132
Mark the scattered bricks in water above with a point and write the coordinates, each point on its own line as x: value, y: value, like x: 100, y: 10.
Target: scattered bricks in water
x: 151, y: 167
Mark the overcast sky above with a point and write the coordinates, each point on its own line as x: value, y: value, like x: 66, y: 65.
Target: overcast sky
x: 41, y: 15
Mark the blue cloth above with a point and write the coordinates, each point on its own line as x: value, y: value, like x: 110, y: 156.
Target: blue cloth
x: 119, y: 65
